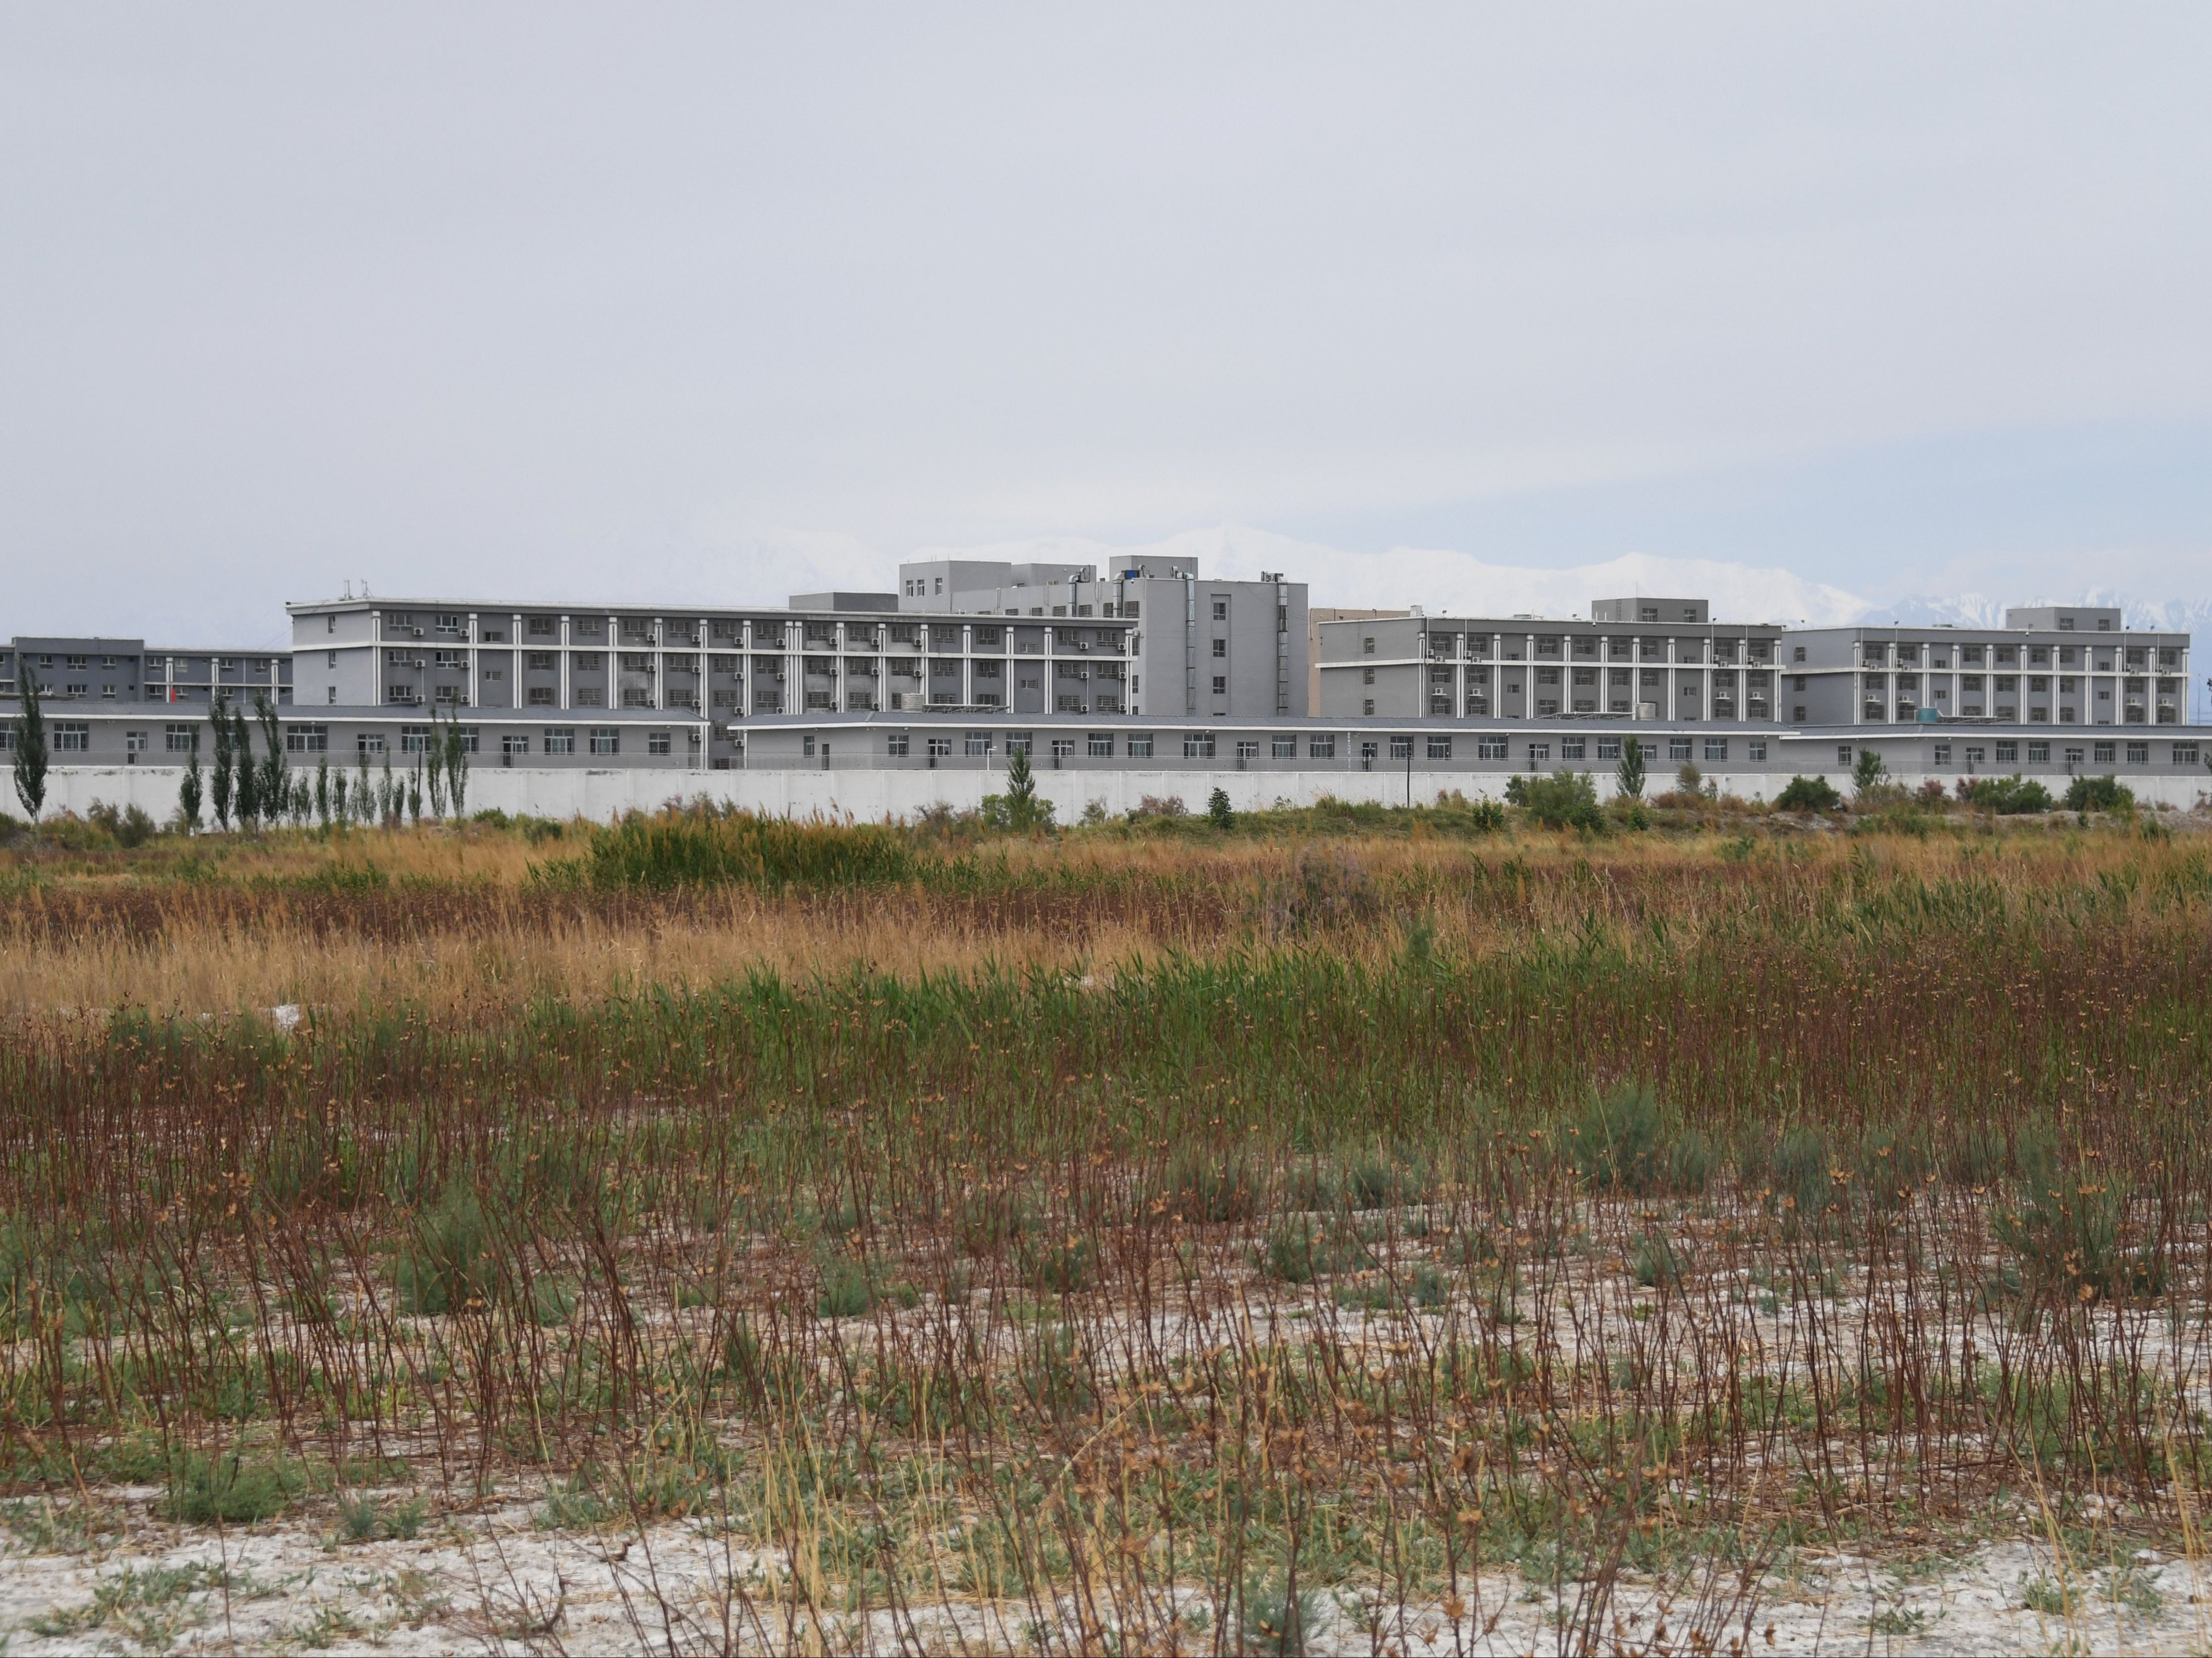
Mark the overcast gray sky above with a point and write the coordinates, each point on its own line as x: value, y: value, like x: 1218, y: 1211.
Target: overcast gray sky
x: 710, y: 303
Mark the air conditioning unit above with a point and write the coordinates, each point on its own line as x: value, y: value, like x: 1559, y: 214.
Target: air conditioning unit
x: 418, y: 632
x: 1647, y: 710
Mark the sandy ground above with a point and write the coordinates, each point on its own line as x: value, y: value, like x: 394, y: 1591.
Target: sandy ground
x: 495, y: 1582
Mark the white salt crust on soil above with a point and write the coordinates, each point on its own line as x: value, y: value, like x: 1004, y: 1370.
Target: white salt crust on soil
x: 493, y: 1581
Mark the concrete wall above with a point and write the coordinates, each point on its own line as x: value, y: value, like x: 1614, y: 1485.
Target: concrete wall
x: 871, y: 795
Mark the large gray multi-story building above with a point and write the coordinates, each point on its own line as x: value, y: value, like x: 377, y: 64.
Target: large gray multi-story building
x: 707, y: 671
x: 97, y: 670
x: 1144, y: 667
x: 1667, y: 660
x: 1636, y: 658
x: 2049, y: 665
x: 1211, y: 648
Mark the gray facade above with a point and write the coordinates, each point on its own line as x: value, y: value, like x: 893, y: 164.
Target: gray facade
x: 1212, y: 649
x: 1678, y: 666
x: 2047, y: 667
x: 710, y: 670
x: 127, y: 671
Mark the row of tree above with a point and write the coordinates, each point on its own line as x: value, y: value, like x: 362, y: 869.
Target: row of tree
x: 250, y: 790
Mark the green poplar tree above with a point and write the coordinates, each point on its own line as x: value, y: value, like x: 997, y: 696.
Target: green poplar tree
x: 224, y: 764
x: 31, y: 748
x: 1630, y: 778
x: 193, y: 789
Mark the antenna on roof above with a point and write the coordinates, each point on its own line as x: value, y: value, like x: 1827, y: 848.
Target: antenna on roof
x: 346, y: 589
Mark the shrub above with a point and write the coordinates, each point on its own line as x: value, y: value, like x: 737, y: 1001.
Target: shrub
x: 2005, y: 795
x: 846, y: 1291
x: 206, y: 1489
x: 1616, y: 1142
x: 447, y: 1261
x: 1326, y: 889
x: 1218, y: 812
x: 1808, y: 794
x: 2099, y: 794
x: 1869, y: 774
x: 1020, y: 810
x: 128, y: 827
x: 1563, y: 800
x: 1203, y: 1189
x: 708, y: 846
x: 1301, y: 1249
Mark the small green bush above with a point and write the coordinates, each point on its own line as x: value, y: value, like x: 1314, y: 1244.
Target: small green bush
x: 1565, y: 799
x: 204, y: 1490
x: 1808, y: 794
x: 846, y: 1291
x: 1207, y: 1189
x: 447, y: 1261
x: 2099, y: 794
x: 2005, y: 795
x: 1616, y: 1142
x: 707, y: 846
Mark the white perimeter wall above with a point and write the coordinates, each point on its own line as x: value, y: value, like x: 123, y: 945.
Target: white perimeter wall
x: 872, y: 795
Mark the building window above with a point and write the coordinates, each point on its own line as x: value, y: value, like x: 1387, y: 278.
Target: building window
x: 134, y: 743
x: 1367, y: 705
x: 940, y: 748
x: 2185, y: 754
x: 1321, y: 748
x: 180, y: 739
x: 1140, y: 747
x: 606, y: 739
x: 1440, y: 748
x: 978, y: 745
x: 1757, y: 748
x: 2138, y: 753
x: 1220, y: 608
x: 414, y: 739
x: 1221, y: 685
x: 1220, y: 647
x: 657, y: 742
x: 1716, y: 748
x: 298, y: 739
x: 1282, y: 748
x: 1573, y: 748
x: 2008, y: 754
x: 1100, y: 746
x: 1842, y: 754
x: 2103, y: 753
x: 1942, y: 754
x: 1678, y: 748
x: 898, y: 745
x: 1198, y: 747
x: 1248, y: 750
x: 1608, y: 748
x: 2039, y: 754
x: 1366, y: 645
x: 1490, y: 748
x: 72, y: 737
x: 368, y: 745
